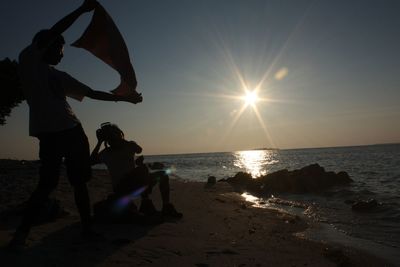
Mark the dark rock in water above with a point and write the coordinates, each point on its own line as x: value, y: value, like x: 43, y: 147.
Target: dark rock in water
x: 211, y: 180
x: 309, y: 179
x: 241, y: 178
x: 349, y: 201
x: 365, y: 205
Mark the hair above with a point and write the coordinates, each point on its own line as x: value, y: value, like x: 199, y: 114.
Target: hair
x: 44, y: 36
x: 109, y: 130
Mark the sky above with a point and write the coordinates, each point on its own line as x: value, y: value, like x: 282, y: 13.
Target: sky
x: 327, y: 73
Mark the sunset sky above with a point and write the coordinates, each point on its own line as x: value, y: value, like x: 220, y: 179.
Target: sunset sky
x: 327, y: 73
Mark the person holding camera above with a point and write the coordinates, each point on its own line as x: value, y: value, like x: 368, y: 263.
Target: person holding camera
x: 130, y: 175
x: 53, y: 122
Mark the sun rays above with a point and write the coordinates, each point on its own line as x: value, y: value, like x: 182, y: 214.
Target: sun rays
x: 250, y: 98
x: 245, y: 86
x: 251, y: 101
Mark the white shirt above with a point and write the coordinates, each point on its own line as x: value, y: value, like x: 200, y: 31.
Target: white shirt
x: 119, y: 161
x: 45, y: 90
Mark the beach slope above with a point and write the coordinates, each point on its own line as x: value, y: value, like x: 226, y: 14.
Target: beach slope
x: 219, y: 228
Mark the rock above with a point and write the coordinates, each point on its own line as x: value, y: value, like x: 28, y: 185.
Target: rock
x: 365, y: 205
x: 309, y: 179
x: 343, y: 178
x: 349, y: 201
x: 240, y: 178
x: 211, y: 180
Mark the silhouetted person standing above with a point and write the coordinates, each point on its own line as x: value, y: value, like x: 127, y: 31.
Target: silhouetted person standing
x: 53, y: 122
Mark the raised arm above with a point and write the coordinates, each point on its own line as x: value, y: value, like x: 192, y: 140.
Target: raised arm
x: 47, y: 37
x: 94, y: 157
x: 67, y: 21
x: 100, y: 95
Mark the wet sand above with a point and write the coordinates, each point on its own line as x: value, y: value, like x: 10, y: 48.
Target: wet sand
x: 219, y: 228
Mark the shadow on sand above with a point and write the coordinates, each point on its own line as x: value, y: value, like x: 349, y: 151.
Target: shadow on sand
x: 65, y: 247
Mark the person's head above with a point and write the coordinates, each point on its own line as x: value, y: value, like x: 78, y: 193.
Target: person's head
x: 111, y: 134
x: 54, y: 51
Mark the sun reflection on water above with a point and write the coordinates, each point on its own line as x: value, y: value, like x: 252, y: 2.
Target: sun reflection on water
x: 255, y: 162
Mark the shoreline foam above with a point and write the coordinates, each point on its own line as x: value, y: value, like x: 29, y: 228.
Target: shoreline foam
x: 323, y: 232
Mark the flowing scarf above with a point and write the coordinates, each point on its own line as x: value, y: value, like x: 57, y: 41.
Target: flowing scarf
x: 103, y: 39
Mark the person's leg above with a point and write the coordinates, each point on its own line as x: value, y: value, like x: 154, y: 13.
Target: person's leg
x: 49, y: 174
x: 50, y: 161
x: 82, y: 202
x: 133, y: 184
x: 163, y: 182
x: 143, y: 182
x: 77, y: 160
x: 137, y: 183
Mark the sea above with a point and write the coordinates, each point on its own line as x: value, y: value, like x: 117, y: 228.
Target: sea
x: 375, y: 170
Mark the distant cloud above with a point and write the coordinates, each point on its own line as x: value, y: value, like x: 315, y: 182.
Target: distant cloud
x: 282, y: 73
x: 233, y: 112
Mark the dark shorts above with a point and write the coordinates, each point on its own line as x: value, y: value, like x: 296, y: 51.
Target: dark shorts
x: 71, y: 145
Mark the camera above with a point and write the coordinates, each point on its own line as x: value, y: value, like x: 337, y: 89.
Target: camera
x: 102, y: 132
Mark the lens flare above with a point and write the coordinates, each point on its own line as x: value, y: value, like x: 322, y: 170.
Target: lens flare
x: 170, y: 170
x: 281, y: 74
x: 124, y: 201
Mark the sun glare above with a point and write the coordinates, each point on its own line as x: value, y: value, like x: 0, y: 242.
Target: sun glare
x: 250, y: 98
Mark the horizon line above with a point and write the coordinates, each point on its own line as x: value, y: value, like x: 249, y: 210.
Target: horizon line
x: 253, y: 149
x: 295, y: 148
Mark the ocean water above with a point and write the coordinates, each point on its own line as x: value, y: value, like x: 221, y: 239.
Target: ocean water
x: 374, y: 169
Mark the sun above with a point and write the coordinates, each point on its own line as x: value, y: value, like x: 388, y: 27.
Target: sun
x: 251, y: 98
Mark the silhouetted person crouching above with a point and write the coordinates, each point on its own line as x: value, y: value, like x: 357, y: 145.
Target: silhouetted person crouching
x: 131, y: 177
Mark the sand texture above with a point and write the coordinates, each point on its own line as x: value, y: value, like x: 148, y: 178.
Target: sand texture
x: 218, y: 229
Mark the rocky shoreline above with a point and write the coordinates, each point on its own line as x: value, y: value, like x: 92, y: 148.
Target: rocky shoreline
x: 309, y: 179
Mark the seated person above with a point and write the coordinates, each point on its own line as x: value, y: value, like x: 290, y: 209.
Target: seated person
x: 130, y: 177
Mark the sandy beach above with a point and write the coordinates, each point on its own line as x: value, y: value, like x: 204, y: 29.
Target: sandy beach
x: 289, y: 108
x: 219, y: 228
